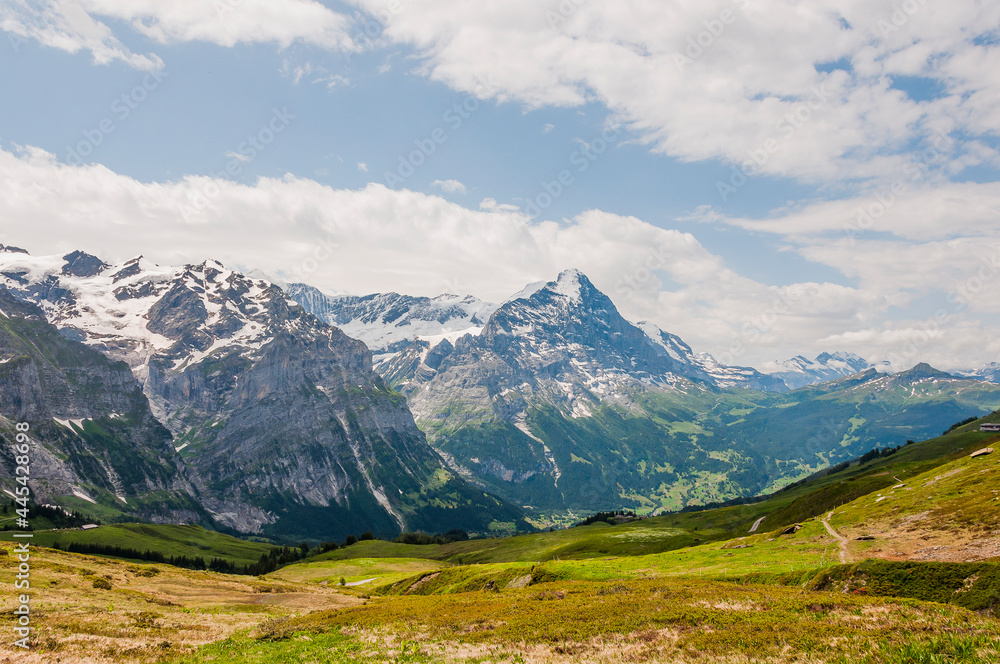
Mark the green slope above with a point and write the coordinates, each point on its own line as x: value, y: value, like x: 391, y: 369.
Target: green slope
x: 807, y: 499
x: 696, y: 446
x: 170, y: 540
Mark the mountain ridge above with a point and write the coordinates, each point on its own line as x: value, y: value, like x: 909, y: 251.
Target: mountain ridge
x: 279, y: 417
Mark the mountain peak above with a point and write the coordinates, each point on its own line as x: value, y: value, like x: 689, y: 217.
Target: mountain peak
x: 570, y: 283
x: 82, y: 264
x: 921, y: 371
x: 799, y: 371
x: 6, y: 249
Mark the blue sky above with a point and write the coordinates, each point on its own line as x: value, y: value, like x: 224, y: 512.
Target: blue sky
x: 840, y: 106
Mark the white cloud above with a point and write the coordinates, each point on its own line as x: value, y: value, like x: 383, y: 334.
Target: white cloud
x: 548, y: 128
x: 449, y: 186
x: 377, y: 239
x: 904, y: 243
x: 912, y: 209
x: 229, y: 22
x: 314, y: 74
x: 363, y: 167
x: 768, y: 62
x: 66, y: 25
x: 73, y: 25
x: 491, y: 205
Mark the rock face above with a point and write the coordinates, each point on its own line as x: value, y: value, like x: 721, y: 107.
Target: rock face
x: 557, y: 402
x: 549, y: 402
x: 389, y: 322
x: 96, y: 439
x: 279, y: 417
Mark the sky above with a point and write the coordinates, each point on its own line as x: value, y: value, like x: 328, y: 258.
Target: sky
x: 764, y: 178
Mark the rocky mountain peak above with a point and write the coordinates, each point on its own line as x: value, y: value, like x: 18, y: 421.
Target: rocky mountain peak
x: 81, y: 264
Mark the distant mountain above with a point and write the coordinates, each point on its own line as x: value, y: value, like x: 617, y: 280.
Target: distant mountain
x: 990, y: 373
x: 279, y: 417
x: 388, y: 322
x: 281, y: 424
x: 557, y: 402
x: 799, y: 371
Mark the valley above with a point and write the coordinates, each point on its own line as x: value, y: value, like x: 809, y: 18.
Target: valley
x: 923, y: 582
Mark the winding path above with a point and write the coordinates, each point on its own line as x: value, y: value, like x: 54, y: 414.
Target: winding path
x: 840, y: 538
x: 756, y: 524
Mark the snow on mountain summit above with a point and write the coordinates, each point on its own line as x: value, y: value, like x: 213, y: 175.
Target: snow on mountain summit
x: 137, y: 308
x: 799, y: 371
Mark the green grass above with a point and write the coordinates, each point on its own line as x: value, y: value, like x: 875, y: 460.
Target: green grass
x: 689, y: 587
x: 798, y: 503
x: 167, y: 539
x: 382, y: 570
x: 672, y: 620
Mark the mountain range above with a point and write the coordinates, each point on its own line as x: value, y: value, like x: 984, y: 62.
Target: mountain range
x: 277, y: 418
x: 555, y: 401
x: 800, y: 372
x: 200, y: 394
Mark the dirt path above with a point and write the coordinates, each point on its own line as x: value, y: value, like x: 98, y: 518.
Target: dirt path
x: 840, y: 538
x: 359, y: 583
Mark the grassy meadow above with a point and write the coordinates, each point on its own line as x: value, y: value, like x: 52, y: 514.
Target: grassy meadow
x: 922, y: 585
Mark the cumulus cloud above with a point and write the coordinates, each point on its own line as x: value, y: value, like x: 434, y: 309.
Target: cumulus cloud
x: 376, y: 239
x: 807, y: 89
x: 66, y: 25
x: 75, y: 25
x: 450, y: 186
x: 805, y: 86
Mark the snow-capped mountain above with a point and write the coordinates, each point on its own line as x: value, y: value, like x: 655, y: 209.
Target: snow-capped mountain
x: 799, y: 371
x: 520, y: 404
x: 387, y: 322
x: 390, y: 324
x: 989, y: 373
x: 277, y: 415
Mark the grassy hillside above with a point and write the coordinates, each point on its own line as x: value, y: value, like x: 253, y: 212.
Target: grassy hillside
x: 690, y: 587
x: 192, y: 541
x: 695, y: 446
x: 810, y: 498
